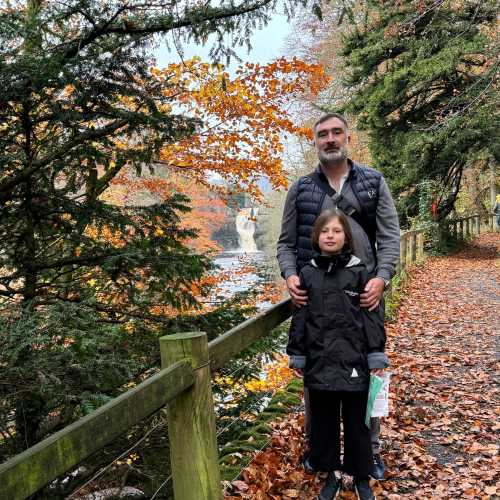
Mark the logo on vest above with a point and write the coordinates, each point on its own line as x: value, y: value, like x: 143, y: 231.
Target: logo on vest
x: 354, y: 373
x: 372, y: 193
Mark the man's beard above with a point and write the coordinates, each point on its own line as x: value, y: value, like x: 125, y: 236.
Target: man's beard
x: 333, y: 156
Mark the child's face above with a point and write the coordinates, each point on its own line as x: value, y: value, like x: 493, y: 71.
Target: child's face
x: 331, y: 237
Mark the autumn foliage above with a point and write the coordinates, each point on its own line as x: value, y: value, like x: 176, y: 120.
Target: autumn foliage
x: 242, y: 122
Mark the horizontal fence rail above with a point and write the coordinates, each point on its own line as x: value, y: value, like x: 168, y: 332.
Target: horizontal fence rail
x: 239, y: 338
x: 33, y: 469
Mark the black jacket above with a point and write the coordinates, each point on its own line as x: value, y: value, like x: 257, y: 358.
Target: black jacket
x: 334, y: 340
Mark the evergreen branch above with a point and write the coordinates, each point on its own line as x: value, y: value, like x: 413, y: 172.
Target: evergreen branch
x: 167, y: 24
x: 463, y: 110
x: 80, y: 261
x: 8, y: 184
x: 111, y: 310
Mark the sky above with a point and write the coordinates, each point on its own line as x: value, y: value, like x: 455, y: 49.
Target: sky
x: 267, y: 45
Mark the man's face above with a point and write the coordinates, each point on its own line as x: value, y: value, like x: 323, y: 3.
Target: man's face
x: 331, y: 140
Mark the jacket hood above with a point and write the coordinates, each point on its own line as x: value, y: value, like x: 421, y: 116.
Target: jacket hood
x: 329, y: 262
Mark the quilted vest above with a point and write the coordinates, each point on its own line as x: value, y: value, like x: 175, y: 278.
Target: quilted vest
x: 311, y: 192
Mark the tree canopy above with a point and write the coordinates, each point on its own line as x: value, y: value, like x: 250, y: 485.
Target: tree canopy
x: 82, y: 104
x: 423, y: 80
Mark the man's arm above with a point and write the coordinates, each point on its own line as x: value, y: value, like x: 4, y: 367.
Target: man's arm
x: 287, y: 249
x: 388, y: 234
x: 287, y: 242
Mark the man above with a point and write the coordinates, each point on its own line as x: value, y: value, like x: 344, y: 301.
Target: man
x: 496, y: 210
x: 363, y: 195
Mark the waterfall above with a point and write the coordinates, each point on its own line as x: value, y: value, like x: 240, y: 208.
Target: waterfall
x: 245, y: 225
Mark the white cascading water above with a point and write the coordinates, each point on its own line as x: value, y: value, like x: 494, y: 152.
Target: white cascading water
x: 245, y: 225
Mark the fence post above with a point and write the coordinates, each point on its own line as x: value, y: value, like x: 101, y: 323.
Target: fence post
x: 420, y: 245
x: 191, y: 422
x: 409, y: 248
x: 414, y: 246
x: 402, y: 251
x: 478, y: 224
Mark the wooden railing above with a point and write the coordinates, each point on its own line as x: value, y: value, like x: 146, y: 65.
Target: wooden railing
x: 464, y: 228
x: 411, y: 248
x: 184, y: 386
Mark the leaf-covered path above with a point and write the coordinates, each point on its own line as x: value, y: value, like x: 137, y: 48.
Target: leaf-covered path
x: 441, y: 439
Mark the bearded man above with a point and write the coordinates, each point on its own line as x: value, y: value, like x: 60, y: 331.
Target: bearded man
x: 363, y: 195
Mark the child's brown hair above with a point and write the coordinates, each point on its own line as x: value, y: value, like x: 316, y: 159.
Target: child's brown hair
x: 324, y: 218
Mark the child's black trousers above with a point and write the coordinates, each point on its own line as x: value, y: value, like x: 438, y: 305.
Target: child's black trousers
x: 325, y: 432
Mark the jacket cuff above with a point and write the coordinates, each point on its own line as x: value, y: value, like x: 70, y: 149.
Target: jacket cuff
x: 297, y: 362
x: 289, y: 271
x: 377, y: 360
x: 384, y: 273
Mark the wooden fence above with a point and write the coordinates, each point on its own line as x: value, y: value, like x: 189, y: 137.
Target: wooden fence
x: 184, y: 386
x: 466, y: 227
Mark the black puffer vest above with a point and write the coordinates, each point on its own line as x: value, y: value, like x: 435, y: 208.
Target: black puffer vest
x: 311, y: 192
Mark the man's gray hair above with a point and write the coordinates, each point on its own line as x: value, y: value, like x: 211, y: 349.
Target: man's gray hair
x: 328, y: 116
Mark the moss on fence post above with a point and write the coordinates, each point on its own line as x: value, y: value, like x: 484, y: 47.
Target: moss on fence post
x: 191, y: 422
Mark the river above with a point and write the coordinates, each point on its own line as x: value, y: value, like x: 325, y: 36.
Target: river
x: 248, y: 266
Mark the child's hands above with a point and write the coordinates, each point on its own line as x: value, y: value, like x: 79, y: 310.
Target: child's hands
x: 378, y: 371
x: 299, y: 372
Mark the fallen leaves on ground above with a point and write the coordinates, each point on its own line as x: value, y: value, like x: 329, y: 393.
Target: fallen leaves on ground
x: 441, y: 438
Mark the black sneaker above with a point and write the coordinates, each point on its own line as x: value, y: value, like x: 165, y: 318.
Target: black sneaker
x: 378, y: 469
x: 363, y: 489
x: 331, y: 488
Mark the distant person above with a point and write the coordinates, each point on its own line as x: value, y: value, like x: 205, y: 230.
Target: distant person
x: 335, y: 344
x: 361, y: 193
x: 496, y: 210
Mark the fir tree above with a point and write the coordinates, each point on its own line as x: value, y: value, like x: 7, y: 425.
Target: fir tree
x: 77, y: 105
x: 423, y: 80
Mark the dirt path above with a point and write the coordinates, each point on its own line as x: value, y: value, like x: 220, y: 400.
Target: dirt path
x: 441, y: 439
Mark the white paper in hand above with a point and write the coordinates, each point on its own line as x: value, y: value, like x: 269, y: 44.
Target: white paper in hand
x: 381, y: 403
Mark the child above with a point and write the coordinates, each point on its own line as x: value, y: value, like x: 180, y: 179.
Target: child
x: 334, y: 344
